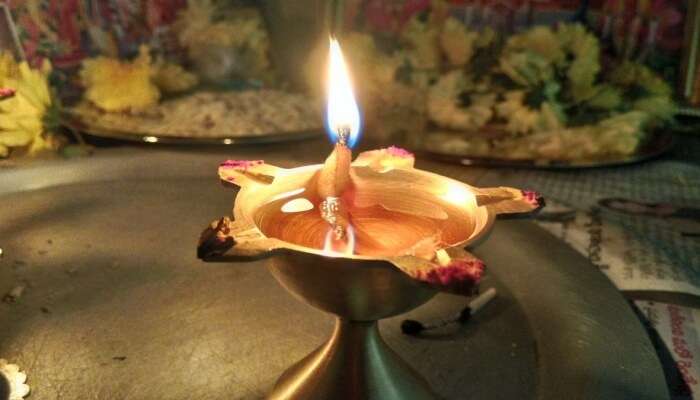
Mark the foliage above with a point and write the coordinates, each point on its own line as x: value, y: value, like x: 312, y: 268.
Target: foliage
x: 543, y: 79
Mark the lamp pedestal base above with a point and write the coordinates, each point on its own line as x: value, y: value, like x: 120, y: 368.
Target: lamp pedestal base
x: 354, y: 364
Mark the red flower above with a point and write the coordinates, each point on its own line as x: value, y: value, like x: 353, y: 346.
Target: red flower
x: 240, y: 165
x: 461, y: 276
x: 533, y: 198
x: 398, y: 152
x: 6, y: 93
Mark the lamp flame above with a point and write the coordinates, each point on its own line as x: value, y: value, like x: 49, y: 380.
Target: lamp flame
x: 342, y: 112
x: 330, y: 244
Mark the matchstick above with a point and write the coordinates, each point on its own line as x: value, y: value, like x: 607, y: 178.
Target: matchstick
x: 413, y: 327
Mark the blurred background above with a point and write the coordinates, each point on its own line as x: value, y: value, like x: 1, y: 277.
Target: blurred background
x: 594, y: 104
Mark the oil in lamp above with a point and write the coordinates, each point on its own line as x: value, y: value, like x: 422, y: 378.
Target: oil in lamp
x: 362, y: 240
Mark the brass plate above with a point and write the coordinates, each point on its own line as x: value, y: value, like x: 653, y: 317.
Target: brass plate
x: 119, y: 307
x: 659, y: 144
x: 176, y: 140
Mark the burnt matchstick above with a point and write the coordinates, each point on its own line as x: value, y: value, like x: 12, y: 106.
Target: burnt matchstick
x: 413, y: 328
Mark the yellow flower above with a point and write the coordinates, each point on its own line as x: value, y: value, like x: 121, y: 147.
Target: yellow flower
x: 526, y: 68
x: 486, y: 37
x: 422, y: 40
x: 630, y: 74
x: 661, y: 108
x: 540, y: 40
x: 652, y: 82
x: 585, y: 62
x: 522, y: 119
x: 449, y: 107
x: 620, y: 134
x: 540, y: 54
x: 624, y: 74
x: 24, y: 116
x: 606, y: 97
x: 654, y: 99
x: 457, y: 42
x: 115, y: 85
x: 172, y: 78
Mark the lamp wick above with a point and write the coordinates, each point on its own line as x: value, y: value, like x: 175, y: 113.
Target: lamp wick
x: 343, y: 134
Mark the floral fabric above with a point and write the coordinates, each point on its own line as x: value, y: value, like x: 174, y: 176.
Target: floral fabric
x: 67, y: 31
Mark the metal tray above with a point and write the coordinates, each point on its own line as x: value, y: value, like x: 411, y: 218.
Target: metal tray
x: 139, y: 137
x: 658, y: 144
x: 117, y: 306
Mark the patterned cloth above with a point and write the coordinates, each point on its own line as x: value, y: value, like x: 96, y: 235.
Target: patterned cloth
x: 673, y: 180
x: 66, y: 31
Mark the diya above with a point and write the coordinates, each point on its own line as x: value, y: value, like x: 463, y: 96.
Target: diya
x: 362, y: 240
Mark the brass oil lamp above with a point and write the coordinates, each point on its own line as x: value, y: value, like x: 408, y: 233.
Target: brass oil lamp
x: 362, y: 240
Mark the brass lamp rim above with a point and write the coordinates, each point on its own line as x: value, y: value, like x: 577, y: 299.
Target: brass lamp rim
x: 279, y: 244
x: 480, y: 235
x: 283, y: 245
x: 388, y: 179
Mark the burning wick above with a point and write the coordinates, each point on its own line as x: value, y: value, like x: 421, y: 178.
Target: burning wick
x: 412, y: 327
x: 333, y: 181
x: 343, y: 128
x: 343, y: 135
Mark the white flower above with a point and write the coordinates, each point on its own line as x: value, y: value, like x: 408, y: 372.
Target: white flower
x: 16, y: 380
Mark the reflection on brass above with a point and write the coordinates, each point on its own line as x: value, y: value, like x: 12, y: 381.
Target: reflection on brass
x: 354, y: 363
x: 330, y: 207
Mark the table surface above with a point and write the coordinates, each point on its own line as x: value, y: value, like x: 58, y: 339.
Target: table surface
x: 93, y: 309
